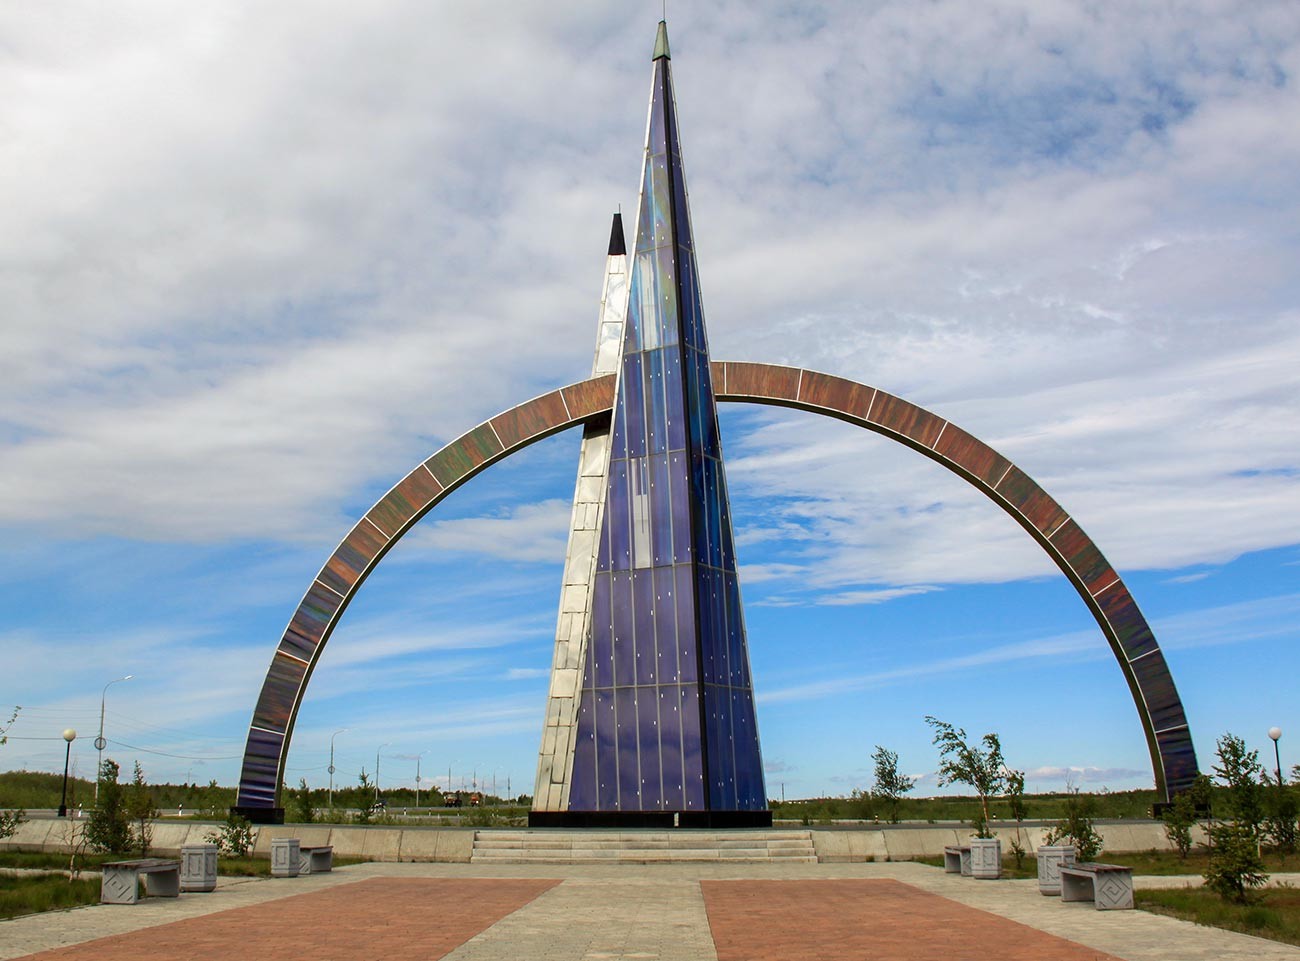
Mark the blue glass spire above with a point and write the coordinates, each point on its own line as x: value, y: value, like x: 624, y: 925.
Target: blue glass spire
x: 666, y: 713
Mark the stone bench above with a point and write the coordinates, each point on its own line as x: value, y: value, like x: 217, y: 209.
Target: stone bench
x: 956, y: 859
x: 1108, y: 886
x: 315, y: 860
x: 120, y: 883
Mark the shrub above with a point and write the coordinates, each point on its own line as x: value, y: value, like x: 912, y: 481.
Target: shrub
x: 890, y: 785
x: 109, y: 826
x: 1180, y: 816
x: 1077, y: 828
x: 234, y: 838
x: 1235, y: 868
x: 962, y: 763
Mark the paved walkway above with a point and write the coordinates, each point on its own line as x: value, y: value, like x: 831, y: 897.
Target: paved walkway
x: 666, y: 912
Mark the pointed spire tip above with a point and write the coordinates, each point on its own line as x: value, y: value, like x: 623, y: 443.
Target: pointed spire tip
x: 661, y: 42
x: 617, y: 243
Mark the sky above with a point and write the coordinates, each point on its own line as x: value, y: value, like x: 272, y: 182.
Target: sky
x: 257, y: 262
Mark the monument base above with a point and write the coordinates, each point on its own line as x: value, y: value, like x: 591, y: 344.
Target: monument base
x: 258, y: 815
x: 649, y: 819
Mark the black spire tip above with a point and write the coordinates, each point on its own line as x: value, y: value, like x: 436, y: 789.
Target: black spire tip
x: 617, y: 245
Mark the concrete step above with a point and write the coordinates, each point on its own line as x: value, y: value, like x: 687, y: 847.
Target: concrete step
x: 642, y: 847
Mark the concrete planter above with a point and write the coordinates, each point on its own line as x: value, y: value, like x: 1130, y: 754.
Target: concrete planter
x: 286, y: 860
x: 1050, y: 859
x: 986, y: 858
x: 198, y: 867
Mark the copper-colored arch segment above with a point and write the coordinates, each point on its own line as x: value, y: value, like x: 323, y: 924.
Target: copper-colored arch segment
x: 1132, y: 641
x: 1159, y: 708
x: 366, y: 544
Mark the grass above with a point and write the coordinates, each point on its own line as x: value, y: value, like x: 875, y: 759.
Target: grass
x: 1274, y: 914
x: 249, y: 867
x: 1163, y: 863
x: 51, y: 892
x: 1009, y: 870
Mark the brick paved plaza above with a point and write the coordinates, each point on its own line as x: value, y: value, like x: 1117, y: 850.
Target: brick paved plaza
x: 394, y: 911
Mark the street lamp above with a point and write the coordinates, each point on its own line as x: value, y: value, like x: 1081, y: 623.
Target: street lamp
x: 100, y: 743
x: 69, y: 735
x: 417, y: 778
x: 342, y: 730
x: 1276, y: 734
x: 377, y: 750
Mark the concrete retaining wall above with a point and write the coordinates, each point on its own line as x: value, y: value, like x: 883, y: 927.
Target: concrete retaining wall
x: 379, y: 843
x: 887, y: 843
x: 373, y: 843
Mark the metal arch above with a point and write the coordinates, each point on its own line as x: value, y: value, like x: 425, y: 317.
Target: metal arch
x: 1164, y: 722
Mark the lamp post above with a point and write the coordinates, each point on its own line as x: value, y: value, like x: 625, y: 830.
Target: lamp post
x: 342, y: 730
x: 417, y: 778
x: 69, y: 735
x: 377, y: 750
x: 100, y: 743
x: 1276, y: 734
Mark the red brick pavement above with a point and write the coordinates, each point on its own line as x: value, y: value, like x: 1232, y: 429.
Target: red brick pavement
x: 882, y: 920
x: 391, y: 919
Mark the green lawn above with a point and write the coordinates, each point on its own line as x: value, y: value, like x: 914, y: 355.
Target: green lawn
x: 50, y: 892
x: 1274, y: 915
x: 233, y: 867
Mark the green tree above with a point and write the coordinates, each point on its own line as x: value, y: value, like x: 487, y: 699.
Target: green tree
x: 141, y: 809
x: 364, y: 810
x: 890, y: 785
x: 109, y: 825
x: 1076, y: 826
x: 235, y: 837
x: 9, y: 820
x: 980, y: 767
x: 1016, y: 801
x: 1180, y: 816
x: 1235, y: 867
x: 1280, y: 813
x: 303, y: 813
x: 1241, y: 771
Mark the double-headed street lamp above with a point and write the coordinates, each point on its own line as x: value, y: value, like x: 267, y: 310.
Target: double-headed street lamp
x: 417, y: 778
x: 342, y: 730
x: 377, y: 750
x: 69, y: 735
x: 1276, y: 734
x: 100, y: 743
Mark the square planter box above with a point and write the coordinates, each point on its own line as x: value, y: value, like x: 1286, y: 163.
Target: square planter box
x: 1050, y: 859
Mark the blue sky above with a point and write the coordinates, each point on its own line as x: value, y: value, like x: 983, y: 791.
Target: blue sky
x: 257, y: 263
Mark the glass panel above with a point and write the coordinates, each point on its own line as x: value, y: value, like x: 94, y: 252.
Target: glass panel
x: 686, y: 639
x: 693, y: 788
x: 663, y: 223
x: 644, y: 621
x: 618, y: 517
x: 681, y: 202
x: 629, y: 788
x: 666, y: 625
x: 647, y: 722
x: 655, y: 137
x: 624, y: 649
x: 675, y: 413
x: 634, y: 405
x: 680, y: 493
x: 668, y: 332
x: 736, y: 654
x: 606, y: 755
x: 661, y: 511
x: 582, y: 788
x: 601, y: 650
x: 690, y: 324
x: 638, y: 475
x: 670, y: 745
x: 656, y: 416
